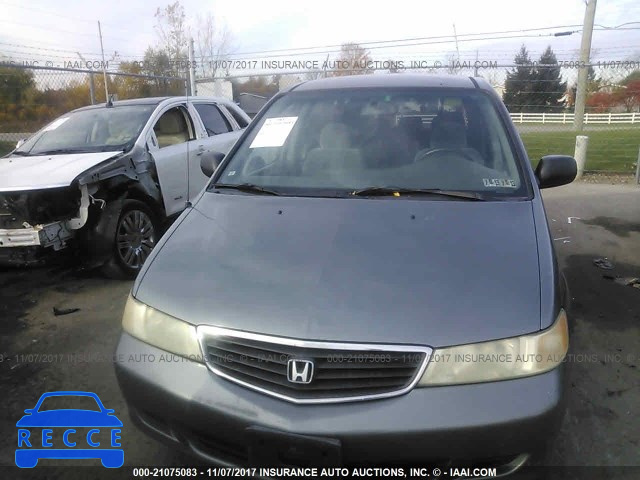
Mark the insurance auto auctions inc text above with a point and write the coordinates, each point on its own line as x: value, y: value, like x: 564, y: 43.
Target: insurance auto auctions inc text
x: 394, y: 65
x: 356, y: 472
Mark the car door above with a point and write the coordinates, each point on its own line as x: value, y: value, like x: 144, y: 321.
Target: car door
x: 222, y: 133
x: 169, y: 145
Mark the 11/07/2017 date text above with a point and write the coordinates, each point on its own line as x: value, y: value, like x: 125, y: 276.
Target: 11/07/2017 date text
x: 312, y: 472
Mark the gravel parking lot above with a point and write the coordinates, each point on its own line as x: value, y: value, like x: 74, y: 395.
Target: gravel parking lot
x: 44, y: 352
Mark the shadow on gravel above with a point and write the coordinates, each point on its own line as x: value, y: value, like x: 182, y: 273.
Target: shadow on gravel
x: 21, y: 286
x: 601, y: 301
x: 618, y: 227
x: 601, y: 367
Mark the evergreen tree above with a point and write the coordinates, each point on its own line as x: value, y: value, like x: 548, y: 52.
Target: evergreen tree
x: 518, y: 85
x: 548, y: 86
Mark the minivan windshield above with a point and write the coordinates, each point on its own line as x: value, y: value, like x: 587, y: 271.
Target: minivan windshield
x: 350, y: 141
x: 93, y: 130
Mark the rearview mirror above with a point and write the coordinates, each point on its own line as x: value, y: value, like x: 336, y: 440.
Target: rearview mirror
x: 556, y: 170
x: 20, y: 142
x: 210, y: 161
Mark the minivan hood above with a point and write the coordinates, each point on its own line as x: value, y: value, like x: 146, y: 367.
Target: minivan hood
x: 386, y: 270
x: 46, y: 171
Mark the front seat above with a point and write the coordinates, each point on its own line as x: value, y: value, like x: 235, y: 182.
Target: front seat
x: 334, y: 158
x: 171, y: 129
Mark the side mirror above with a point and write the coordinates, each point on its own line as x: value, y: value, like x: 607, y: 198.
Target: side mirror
x: 20, y: 142
x: 29, y: 411
x: 210, y: 161
x: 556, y: 170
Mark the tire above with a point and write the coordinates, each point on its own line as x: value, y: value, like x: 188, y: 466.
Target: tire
x: 136, y: 234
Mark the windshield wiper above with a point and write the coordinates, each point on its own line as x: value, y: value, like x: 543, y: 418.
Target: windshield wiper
x: 57, y: 151
x: 246, y: 187
x: 398, y: 192
x: 21, y: 153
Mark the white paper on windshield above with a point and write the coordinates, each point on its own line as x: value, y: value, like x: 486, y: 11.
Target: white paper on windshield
x: 55, y: 124
x: 274, y: 132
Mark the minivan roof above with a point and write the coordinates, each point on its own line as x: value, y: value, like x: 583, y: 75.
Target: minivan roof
x: 391, y: 80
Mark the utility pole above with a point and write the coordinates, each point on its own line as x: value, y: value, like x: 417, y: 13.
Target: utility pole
x: 104, y: 66
x: 475, y: 69
x: 192, y: 69
x: 455, y: 36
x: 585, y: 51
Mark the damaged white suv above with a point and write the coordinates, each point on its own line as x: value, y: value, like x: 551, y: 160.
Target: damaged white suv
x: 105, y: 177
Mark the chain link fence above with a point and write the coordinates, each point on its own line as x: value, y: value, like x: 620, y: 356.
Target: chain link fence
x: 542, y: 108
x: 31, y: 97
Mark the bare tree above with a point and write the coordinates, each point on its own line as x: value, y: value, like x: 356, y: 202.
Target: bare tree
x: 393, y: 66
x: 493, y: 78
x: 453, y: 64
x: 353, y: 60
x: 173, y: 32
x: 213, y: 44
x: 316, y: 74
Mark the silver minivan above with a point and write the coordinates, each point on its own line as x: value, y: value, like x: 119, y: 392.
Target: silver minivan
x: 368, y: 279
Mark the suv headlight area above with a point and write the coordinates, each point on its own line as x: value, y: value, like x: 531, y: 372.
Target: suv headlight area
x: 491, y: 361
x: 496, y: 360
x: 161, y: 330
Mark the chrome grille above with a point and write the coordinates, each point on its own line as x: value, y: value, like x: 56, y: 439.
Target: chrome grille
x: 341, y: 371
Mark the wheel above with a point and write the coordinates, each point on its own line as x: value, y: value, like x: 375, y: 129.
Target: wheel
x: 135, y: 236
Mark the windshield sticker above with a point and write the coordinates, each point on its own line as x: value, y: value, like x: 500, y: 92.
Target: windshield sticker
x: 55, y: 124
x: 231, y: 173
x: 274, y: 132
x: 499, y: 182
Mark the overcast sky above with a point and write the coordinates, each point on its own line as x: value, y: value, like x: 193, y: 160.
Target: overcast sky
x: 27, y: 30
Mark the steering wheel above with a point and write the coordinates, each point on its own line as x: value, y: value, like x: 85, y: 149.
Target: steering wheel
x: 457, y: 151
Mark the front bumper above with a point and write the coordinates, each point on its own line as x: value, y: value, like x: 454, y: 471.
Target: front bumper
x: 50, y: 235
x: 183, y: 403
x: 25, y: 246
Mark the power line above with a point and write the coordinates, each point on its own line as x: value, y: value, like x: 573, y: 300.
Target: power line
x: 39, y: 27
x: 412, y: 39
x: 387, y: 46
x: 17, y: 45
x: 617, y: 26
x: 51, y: 12
x: 43, y: 51
x: 449, y: 39
x: 382, y: 44
x: 33, y: 56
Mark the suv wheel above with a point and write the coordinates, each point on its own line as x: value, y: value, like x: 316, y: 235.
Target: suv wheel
x: 136, y: 235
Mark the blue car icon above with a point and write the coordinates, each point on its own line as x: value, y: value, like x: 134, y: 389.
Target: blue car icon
x: 36, y: 430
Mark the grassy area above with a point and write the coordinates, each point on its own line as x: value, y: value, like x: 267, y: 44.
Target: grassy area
x: 613, y: 150
x: 6, y: 147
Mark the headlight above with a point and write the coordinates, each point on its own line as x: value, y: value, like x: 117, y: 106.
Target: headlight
x: 161, y: 330
x: 500, y: 359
